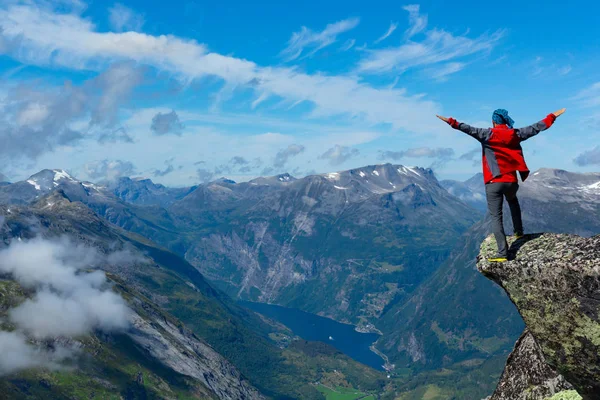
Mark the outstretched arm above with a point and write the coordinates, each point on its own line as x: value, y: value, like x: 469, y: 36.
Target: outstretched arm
x: 532, y: 130
x: 480, y: 134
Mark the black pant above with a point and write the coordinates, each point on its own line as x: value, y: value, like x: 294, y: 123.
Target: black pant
x: 495, y: 193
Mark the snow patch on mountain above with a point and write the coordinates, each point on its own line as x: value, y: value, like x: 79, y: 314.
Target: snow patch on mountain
x: 594, y: 187
x: 34, y: 184
x: 60, y: 174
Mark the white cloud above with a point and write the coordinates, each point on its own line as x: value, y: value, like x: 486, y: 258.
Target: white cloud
x: 565, y: 70
x: 35, y: 119
x: 391, y: 29
x: 283, y: 155
x: 589, y: 157
x: 545, y: 68
x: 312, y: 41
x: 87, y: 308
x: 417, y: 22
x: 68, y: 301
x: 438, y: 46
x: 419, y: 152
x: 590, y: 96
x: 67, y: 40
x: 123, y: 18
x: 167, y: 170
x: 19, y: 354
x: 348, y: 45
x: 115, y: 86
x: 109, y: 170
x: 339, y: 154
x: 166, y: 123
x: 442, y: 72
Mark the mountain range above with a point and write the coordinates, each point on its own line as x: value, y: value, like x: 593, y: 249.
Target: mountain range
x: 387, y: 248
x: 185, y: 339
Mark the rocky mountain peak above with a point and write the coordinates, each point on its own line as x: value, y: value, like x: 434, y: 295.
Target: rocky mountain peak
x: 586, y: 183
x: 475, y: 182
x: 144, y: 191
x: 285, y: 177
x: 273, y: 180
x: 47, y: 179
x: 382, y: 178
x: 54, y: 199
x: 554, y: 281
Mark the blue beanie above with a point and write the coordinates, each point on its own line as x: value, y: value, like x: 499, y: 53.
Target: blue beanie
x: 500, y: 117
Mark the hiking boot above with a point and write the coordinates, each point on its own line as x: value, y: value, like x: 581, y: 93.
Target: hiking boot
x: 497, y: 259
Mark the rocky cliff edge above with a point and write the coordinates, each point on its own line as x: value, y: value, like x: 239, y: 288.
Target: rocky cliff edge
x: 554, y: 281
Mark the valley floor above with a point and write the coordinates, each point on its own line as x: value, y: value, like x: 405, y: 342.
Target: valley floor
x: 342, y: 393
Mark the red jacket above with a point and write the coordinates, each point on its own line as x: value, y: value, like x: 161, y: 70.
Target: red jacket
x: 502, y: 155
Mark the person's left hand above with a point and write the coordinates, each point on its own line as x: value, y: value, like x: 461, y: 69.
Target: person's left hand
x: 559, y: 112
x: 442, y: 118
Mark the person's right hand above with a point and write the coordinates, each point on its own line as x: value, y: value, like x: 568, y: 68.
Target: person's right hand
x: 559, y: 112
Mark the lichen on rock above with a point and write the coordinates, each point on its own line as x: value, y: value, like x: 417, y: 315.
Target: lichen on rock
x: 527, y: 376
x: 554, y: 280
x: 565, y: 395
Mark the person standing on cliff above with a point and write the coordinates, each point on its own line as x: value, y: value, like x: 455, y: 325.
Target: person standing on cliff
x: 502, y: 158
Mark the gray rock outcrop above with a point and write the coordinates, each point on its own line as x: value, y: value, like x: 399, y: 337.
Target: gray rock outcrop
x: 554, y: 281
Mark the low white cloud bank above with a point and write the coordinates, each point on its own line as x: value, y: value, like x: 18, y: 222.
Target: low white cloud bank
x: 69, y: 300
x: 18, y: 354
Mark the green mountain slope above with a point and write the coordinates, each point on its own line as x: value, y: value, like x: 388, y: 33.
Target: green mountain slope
x: 182, y: 307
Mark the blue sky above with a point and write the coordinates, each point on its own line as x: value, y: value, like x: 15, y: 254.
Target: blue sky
x: 188, y: 91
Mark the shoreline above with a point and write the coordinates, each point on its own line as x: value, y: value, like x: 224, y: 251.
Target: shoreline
x: 387, y: 366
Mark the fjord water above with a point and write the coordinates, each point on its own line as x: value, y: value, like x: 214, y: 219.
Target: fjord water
x: 315, y: 328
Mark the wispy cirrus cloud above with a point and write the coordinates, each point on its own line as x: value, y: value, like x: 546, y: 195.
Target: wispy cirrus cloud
x: 438, y: 46
x: 391, y: 29
x: 40, y: 33
x: 348, y: 45
x: 306, y: 42
x: 417, y: 21
x: 546, y: 68
x: 590, y: 96
x: 441, y: 73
